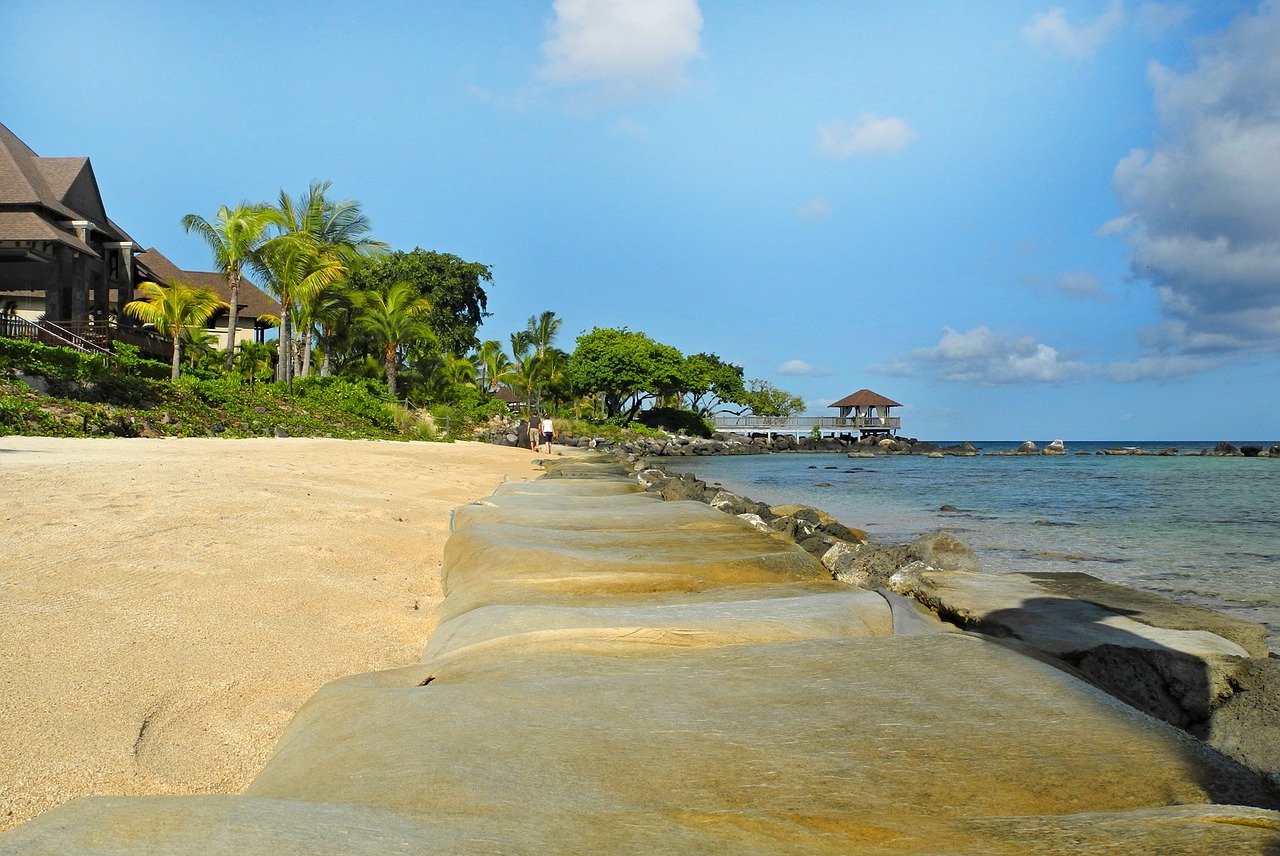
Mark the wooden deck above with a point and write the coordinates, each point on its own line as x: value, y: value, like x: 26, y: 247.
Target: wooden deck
x: 803, y: 425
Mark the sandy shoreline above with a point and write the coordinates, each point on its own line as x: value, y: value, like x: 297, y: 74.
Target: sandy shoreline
x: 167, y: 605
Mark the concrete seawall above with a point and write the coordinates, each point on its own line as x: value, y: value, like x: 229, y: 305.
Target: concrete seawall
x: 615, y: 673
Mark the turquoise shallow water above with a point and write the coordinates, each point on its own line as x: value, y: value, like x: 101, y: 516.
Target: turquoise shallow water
x: 1201, y: 530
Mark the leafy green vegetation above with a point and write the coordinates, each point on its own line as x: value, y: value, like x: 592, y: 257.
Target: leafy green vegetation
x: 396, y: 339
x: 85, y: 397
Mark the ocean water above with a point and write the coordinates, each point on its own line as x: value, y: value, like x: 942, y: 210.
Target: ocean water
x: 1202, y: 530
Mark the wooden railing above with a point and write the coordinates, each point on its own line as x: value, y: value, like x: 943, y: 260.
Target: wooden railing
x: 87, y: 337
x: 806, y: 424
x: 48, y: 333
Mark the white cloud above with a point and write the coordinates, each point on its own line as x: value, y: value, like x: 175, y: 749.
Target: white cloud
x: 1081, y: 284
x: 815, y: 209
x: 799, y: 368
x: 623, y: 49
x: 1205, y: 200
x: 1115, y: 226
x: 985, y: 357
x: 871, y: 134
x: 1050, y: 30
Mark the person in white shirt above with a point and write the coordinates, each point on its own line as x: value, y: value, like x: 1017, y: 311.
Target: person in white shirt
x: 548, y: 432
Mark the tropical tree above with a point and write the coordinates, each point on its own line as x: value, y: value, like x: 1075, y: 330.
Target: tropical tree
x: 321, y: 317
x: 172, y: 310
x: 253, y: 360
x: 627, y: 368
x: 713, y: 386
x: 295, y: 266
x: 494, y: 365
x: 394, y: 319
x: 234, y: 236
x: 542, y: 331
x: 196, y: 343
x: 765, y: 399
x: 321, y: 240
x: 454, y: 287
x: 460, y: 370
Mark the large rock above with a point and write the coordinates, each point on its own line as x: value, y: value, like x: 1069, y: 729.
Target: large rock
x: 1155, y: 654
x: 873, y: 565
x: 766, y: 712
x: 1246, y: 726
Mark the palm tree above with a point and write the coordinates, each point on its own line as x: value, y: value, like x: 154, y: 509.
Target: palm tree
x: 254, y: 359
x: 537, y: 371
x: 330, y: 308
x: 337, y: 234
x: 172, y: 310
x: 455, y: 369
x: 495, y: 367
x: 394, y: 319
x: 294, y: 267
x: 542, y: 331
x: 196, y: 342
x: 234, y: 236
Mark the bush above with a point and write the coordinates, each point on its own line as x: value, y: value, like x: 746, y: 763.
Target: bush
x: 675, y: 421
x: 18, y: 356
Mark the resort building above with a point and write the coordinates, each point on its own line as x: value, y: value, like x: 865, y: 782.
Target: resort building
x: 67, y: 271
x: 862, y: 414
x: 61, y: 257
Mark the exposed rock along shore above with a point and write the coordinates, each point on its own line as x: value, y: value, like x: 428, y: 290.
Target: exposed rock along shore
x: 736, y: 444
x: 1199, y: 670
x: 615, y: 673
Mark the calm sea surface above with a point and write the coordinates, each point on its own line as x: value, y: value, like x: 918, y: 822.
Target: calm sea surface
x: 1200, y: 530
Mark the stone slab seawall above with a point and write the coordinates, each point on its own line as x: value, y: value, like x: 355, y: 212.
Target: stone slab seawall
x: 616, y: 673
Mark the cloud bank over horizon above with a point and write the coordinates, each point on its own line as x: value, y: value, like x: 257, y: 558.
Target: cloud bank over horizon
x: 1204, y: 201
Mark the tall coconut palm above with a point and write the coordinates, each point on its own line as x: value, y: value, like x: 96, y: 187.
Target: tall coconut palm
x: 323, y: 315
x: 542, y: 331
x: 234, y: 236
x: 172, y: 310
x: 494, y: 365
x: 393, y: 320
x: 537, y: 370
x: 459, y: 370
x: 338, y: 234
x: 295, y: 267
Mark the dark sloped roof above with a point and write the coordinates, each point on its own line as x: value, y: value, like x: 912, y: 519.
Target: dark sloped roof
x: 863, y: 398
x: 73, y: 182
x: 29, y: 226
x: 253, y: 300
x: 56, y: 188
x: 22, y: 182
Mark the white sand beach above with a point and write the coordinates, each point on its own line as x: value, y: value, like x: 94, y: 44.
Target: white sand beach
x: 166, y: 606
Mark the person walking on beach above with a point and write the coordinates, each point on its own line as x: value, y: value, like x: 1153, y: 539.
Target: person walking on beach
x: 548, y: 431
x: 533, y: 429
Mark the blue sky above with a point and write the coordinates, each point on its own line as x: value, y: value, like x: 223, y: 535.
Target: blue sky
x: 1021, y: 220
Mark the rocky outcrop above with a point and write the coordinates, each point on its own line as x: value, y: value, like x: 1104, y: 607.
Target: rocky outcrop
x: 612, y: 673
x: 1197, y: 669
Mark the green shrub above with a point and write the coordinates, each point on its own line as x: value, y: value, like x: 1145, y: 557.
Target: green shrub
x: 19, y: 356
x: 675, y: 421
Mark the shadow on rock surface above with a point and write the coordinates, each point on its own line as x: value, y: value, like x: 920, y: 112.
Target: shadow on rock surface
x: 1180, y: 687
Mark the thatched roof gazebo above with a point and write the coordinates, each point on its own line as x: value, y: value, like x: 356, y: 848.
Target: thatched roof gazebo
x: 868, y: 412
